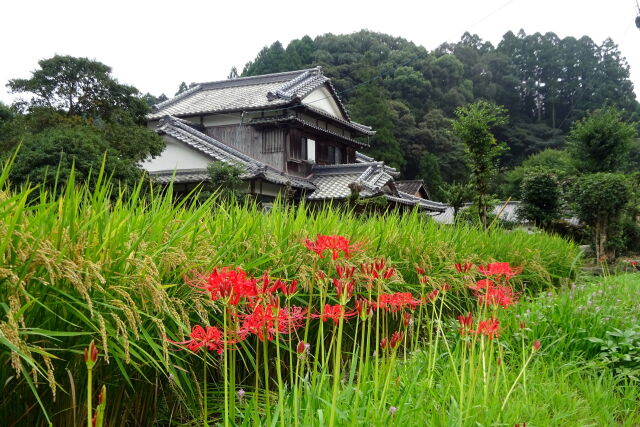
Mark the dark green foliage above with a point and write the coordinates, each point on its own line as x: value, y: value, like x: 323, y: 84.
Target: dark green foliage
x: 558, y: 162
x: 49, y: 155
x: 226, y: 179
x: 601, y: 141
x: 456, y: 195
x: 474, y: 128
x: 540, y: 194
x: 79, y: 86
x: 544, y: 82
x: 599, y: 200
x: 78, y: 114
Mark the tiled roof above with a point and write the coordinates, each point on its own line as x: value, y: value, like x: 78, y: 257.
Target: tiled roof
x: 246, y: 93
x: 334, y: 181
x: 218, y: 151
x: 363, y: 158
x: 410, y: 186
x: 509, y: 213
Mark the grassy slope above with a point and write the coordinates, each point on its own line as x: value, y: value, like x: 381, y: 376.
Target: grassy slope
x: 84, y: 265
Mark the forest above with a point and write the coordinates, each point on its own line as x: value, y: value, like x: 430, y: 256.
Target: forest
x: 409, y: 95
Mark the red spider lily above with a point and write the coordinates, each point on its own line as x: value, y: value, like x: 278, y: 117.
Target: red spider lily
x: 489, y: 328
x: 321, y: 276
x: 335, y: 244
x: 522, y: 325
x: 536, y: 345
x: 396, y: 339
x: 421, y: 276
x: 463, y: 268
x: 334, y: 312
x: 302, y: 347
x: 466, y: 322
x: 406, y: 319
x: 502, y: 296
x: 287, y: 289
x: 210, y: 339
x: 291, y: 319
x: 431, y: 296
x: 445, y: 288
x: 499, y: 269
x: 91, y: 355
x: 344, y: 288
x: 345, y: 272
x: 482, y: 284
x: 384, y: 342
x: 229, y: 285
x: 397, y: 301
x: 377, y: 270
x: 364, y: 308
x: 265, y: 321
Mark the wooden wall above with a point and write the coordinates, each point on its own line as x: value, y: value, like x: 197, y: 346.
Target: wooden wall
x: 248, y: 140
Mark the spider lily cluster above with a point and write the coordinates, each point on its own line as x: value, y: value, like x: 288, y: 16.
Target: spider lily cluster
x: 304, y: 322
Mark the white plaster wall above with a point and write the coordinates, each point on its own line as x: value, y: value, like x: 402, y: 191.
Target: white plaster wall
x: 176, y: 155
x: 322, y: 99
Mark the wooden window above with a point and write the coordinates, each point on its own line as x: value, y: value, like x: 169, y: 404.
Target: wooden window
x: 272, y: 140
x: 298, y: 148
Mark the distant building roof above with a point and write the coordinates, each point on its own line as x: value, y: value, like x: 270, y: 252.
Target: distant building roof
x: 508, y: 212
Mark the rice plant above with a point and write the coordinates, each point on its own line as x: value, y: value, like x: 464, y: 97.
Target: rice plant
x: 115, y: 265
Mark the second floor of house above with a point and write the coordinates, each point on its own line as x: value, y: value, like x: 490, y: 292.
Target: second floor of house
x: 289, y: 121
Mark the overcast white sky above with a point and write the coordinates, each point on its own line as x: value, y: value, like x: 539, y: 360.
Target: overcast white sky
x: 154, y: 45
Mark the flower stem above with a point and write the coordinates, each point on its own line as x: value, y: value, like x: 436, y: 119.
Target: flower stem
x: 89, y: 392
x: 336, y: 369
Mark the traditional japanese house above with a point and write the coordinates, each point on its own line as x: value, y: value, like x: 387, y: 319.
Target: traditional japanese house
x: 284, y: 131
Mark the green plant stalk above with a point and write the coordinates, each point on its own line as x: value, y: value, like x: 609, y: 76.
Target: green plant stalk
x: 280, y: 381
x: 515, y: 382
x: 205, y: 396
x: 387, y: 380
x: 256, y: 391
x: 232, y: 378
x: 265, y: 356
x: 89, y: 393
x: 225, y: 375
x: 337, y: 369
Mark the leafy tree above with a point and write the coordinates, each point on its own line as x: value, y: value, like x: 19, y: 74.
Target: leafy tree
x: 540, y: 193
x: 151, y: 100
x: 599, y: 200
x: 369, y: 103
x: 233, y: 74
x: 226, y: 179
x: 601, y: 141
x: 49, y: 155
x: 474, y: 128
x: 79, y: 86
x: 456, y: 195
x: 429, y: 171
x: 554, y: 161
x: 78, y: 114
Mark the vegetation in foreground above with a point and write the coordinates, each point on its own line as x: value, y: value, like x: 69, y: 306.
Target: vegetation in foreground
x: 98, y: 264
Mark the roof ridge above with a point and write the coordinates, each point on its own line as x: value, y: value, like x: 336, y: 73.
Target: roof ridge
x: 280, y: 74
x: 178, y: 97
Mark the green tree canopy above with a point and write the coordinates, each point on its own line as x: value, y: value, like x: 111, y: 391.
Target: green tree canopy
x: 80, y: 86
x: 599, y: 200
x: 540, y: 195
x: 474, y: 127
x: 601, y: 141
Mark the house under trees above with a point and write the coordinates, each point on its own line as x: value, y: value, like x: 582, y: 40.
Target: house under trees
x: 286, y: 132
